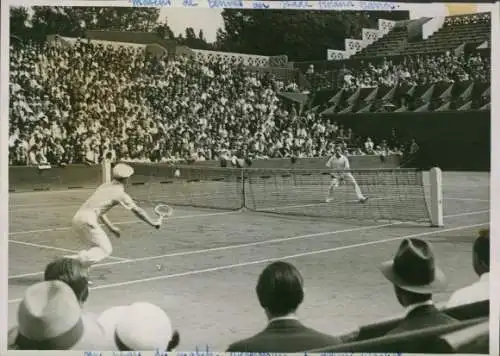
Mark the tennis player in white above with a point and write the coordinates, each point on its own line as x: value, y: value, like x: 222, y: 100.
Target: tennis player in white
x: 339, y: 162
x: 86, y: 220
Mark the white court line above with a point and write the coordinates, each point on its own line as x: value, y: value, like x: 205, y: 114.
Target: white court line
x: 222, y: 248
x: 25, y: 207
x: 125, y: 222
x: 267, y: 260
x: 57, y: 191
x: 257, y: 243
x: 270, y: 209
x: 57, y: 248
x: 56, y: 205
x: 22, y: 207
x: 465, y: 185
x: 355, y: 201
x: 468, y: 199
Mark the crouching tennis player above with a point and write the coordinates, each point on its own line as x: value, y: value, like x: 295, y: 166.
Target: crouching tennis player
x: 340, y: 163
x: 86, y: 220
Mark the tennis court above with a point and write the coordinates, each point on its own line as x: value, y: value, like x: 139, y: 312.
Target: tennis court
x: 202, y: 266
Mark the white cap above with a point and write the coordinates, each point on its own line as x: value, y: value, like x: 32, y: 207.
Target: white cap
x: 122, y: 170
x: 140, y: 326
x: 110, y: 317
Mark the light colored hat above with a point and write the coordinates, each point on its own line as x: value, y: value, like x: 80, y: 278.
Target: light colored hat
x: 139, y: 326
x: 109, y: 318
x: 122, y: 170
x: 50, y: 318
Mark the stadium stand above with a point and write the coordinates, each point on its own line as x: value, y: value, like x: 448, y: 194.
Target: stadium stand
x: 420, y: 341
x: 253, y: 87
x: 473, y: 339
x: 472, y: 30
x: 392, y: 43
x: 462, y: 313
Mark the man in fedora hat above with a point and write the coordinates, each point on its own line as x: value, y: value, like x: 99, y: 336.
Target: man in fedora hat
x: 50, y: 318
x: 86, y: 220
x: 415, y: 277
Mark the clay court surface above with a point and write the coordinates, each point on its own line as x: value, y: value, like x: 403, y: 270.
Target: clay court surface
x: 202, y: 266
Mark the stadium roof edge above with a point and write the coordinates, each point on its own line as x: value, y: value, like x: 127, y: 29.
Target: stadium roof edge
x: 116, y: 31
x: 472, y: 13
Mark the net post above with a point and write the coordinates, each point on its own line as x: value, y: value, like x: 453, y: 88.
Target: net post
x: 243, y: 190
x: 106, y: 171
x: 436, y: 202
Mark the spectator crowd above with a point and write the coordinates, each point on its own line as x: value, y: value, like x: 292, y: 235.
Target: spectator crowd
x: 52, y: 316
x: 408, y: 71
x: 79, y: 103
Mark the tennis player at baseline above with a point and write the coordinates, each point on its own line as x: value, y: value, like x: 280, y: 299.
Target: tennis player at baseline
x: 339, y: 162
x: 86, y: 220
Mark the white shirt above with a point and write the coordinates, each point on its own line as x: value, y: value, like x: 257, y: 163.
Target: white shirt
x: 412, y: 307
x: 286, y: 317
x: 106, y: 196
x: 475, y: 292
x: 341, y: 163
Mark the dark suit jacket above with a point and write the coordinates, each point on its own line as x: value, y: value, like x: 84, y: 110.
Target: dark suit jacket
x: 286, y: 335
x: 422, y: 317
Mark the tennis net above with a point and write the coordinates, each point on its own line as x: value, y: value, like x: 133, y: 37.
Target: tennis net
x: 394, y: 194
x: 206, y: 187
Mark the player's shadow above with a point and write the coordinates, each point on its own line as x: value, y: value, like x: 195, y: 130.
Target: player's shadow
x: 102, y: 275
x: 30, y: 280
x: 25, y: 281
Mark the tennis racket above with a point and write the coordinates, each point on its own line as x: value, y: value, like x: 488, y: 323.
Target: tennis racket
x: 164, y: 211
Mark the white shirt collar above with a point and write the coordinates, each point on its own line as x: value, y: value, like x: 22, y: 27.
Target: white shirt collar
x: 412, y: 307
x: 485, y: 278
x: 286, y: 317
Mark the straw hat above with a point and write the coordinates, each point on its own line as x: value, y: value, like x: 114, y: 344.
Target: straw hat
x: 140, y: 326
x: 122, y: 170
x: 50, y: 318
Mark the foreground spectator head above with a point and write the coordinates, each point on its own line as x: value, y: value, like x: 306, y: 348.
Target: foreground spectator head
x: 280, y: 292
x: 280, y: 289
x: 50, y: 318
x: 415, y: 277
x: 414, y: 272
x: 481, y: 252
x: 139, y: 326
x: 480, y: 289
x: 71, y: 272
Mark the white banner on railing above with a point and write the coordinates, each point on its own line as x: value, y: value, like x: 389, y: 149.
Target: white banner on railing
x: 386, y: 26
x: 354, y: 46
x: 371, y: 35
x: 335, y: 55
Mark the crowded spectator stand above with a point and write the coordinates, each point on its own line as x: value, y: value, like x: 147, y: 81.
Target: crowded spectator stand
x: 74, y: 104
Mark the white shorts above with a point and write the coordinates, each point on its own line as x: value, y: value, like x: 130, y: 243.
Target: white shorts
x: 88, y: 230
x: 339, y: 177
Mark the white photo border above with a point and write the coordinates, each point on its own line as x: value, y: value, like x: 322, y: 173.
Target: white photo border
x: 4, y: 171
x: 359, y: 5
x: 495, y: 188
